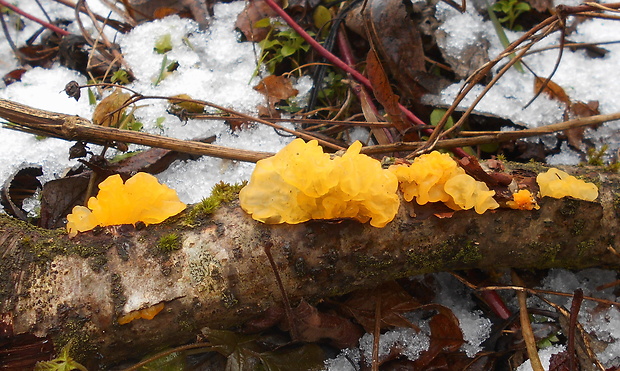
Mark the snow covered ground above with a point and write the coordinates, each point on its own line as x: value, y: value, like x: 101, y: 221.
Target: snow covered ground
x: 213, y: 66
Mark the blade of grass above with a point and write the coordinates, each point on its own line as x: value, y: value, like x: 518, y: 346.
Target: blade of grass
x: 503, y: 39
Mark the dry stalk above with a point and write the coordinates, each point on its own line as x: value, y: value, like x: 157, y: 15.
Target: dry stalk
x: 28, y: 119
x: 526, y: 326
x: 494, y: 137
x: 547, y: 26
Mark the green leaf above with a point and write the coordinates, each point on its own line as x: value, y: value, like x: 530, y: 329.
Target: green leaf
x: 120, y: 76
x: 321, y: 17
x: 159, y: 123
x: 92, y: 100
x: 524, y: 7
x: 307, y: 357
x: 287, y: 50
x: 436, y: 116
x: 162, y: 70
x: 265, y: 22
x: 135, y: 125
x: 502, y: 36
x: 63, y: 362
x: 163, y: 44
x: 171, y: 362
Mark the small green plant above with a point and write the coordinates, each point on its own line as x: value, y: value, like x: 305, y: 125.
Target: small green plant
x: 333, y: 86
x: 596, y: 158
x: 164, y: 44
x: 221, y: 192
x: 63, y: 362
x: 169, y: 243
x: 120, y: 77
x: 281, y: 44
x: 167, y: 67
x: 511, y: 9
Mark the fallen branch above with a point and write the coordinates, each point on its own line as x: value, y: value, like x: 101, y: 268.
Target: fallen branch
x: 216, y: 274
x: 68, y: 127
x: 58, y: 125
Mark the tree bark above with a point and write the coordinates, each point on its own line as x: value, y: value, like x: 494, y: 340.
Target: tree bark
x: 215, y: 273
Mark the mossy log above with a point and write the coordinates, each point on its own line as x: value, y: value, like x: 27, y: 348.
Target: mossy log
x: 215, y: 273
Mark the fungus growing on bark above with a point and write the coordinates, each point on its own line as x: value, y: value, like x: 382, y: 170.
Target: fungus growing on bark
x: 301, y: 183
x: 523, y: 200
x: 558, y: 184
x: 436, y: 177
x: 140, y: 199
x: 147, y: 313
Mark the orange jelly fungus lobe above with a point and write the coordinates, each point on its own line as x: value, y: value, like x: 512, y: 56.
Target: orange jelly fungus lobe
x: 147, y: 313
x: 523, y: 200
x: 140, y: 199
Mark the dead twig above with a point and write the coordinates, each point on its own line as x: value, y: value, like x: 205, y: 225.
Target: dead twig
x: 58, y: 125
x: 494, y: 137
x: 526, y: 326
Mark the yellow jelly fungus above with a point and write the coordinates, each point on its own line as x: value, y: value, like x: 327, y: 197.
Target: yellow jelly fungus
x: 147, y: 313
x: 467, y: 193
x: 523, y: 200
x: 436, y: 177
x: 301, y: 183
x: 557, y: 184
x: 424, y: 179
x: 140, y: 199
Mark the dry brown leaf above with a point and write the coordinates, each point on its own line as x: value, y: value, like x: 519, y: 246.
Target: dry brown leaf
x: 254, y: 11
x: 276, y: 88
x: 580, y: 109
x: 106, y: 113
x: 383, y: 92
x: 553, y: 90
x: 314, y: 325
x: 394, y: 301
x: 446, y: 336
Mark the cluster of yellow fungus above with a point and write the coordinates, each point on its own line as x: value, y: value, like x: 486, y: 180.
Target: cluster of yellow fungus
x: 523, y: 200
x: 141, y: 199
x: 436, y: 177
x: 147, y: 313
x: 557, y: 184
x: 301, y: 183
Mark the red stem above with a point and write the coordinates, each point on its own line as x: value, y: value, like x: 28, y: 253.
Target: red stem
x: 332, y: 58
x: 50, y: 26
x: 497, y: 305
x: 345, y: 66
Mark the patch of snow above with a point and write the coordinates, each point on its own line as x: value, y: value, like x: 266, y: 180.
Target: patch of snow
x: 476, y: 328
x: 583, y: 78
x: 545, y: 357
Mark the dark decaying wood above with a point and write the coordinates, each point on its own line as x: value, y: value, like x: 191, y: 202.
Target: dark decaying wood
x: 215, y: 273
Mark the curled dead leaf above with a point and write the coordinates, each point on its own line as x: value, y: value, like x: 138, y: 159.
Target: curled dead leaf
x: 109, y: 112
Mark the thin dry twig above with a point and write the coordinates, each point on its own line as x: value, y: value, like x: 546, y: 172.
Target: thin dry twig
x: 48, y: 25
x: 585, y: 337
x: 494, y: 137
x: 545, y: 27
x: 526, y: 326
x: 305, y: 136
